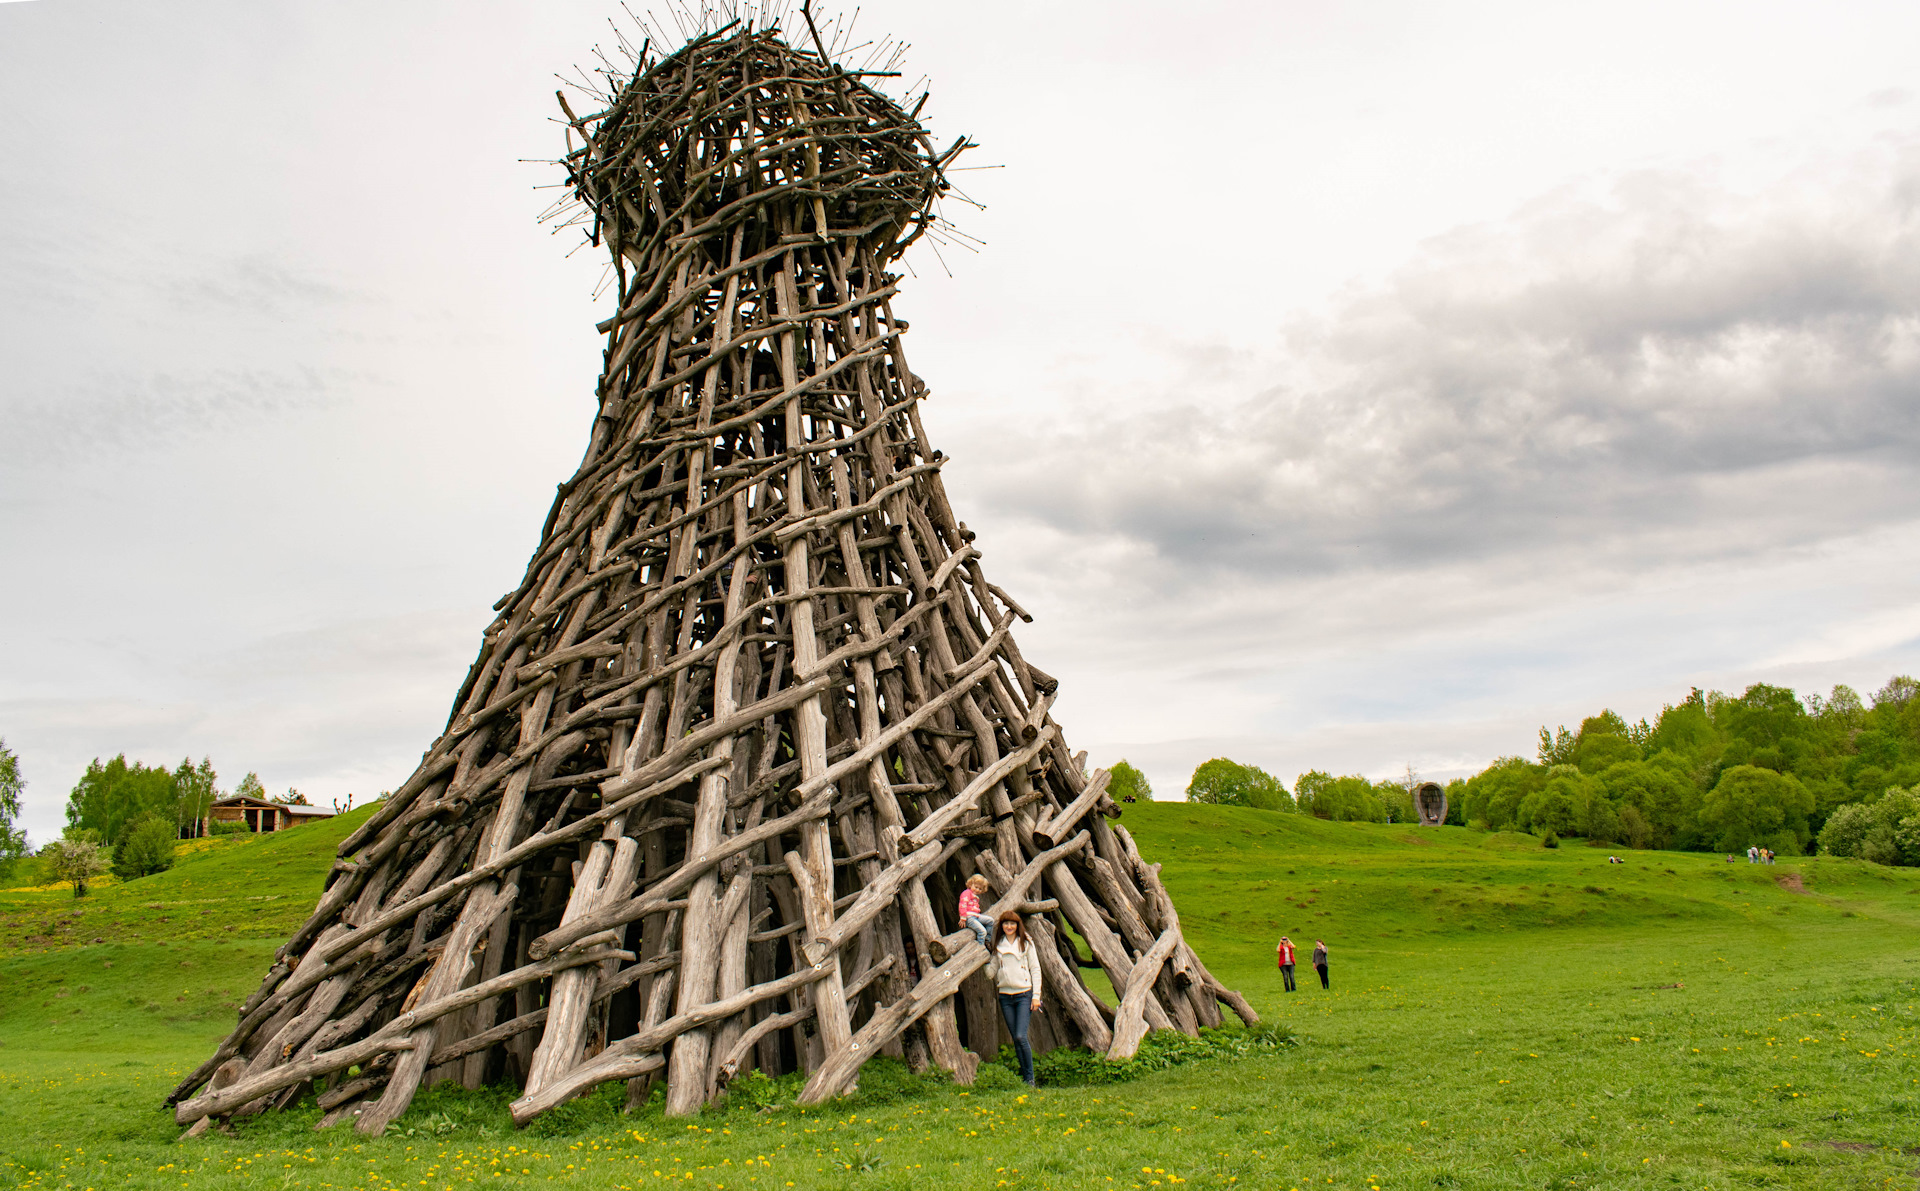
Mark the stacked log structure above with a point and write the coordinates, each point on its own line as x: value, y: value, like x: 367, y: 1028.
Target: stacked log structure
x: 728, y: 752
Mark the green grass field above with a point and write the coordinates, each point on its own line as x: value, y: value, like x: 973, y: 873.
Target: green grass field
x: 1501, y: 1016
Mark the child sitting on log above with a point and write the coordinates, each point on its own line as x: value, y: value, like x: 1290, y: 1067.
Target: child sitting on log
x: 970, y: 908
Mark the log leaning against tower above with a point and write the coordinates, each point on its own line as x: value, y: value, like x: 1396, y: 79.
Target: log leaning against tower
x: 755, y: 712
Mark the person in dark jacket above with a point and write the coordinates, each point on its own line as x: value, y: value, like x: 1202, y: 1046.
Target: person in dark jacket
x: 1320, y: 961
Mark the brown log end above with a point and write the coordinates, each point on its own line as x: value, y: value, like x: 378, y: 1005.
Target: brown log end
x: 968, y: 1067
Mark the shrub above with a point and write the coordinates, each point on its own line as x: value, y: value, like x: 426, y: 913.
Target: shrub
x: 1074, y: 1067
x: 144, y: 848
x: 1550, y: 840
x: 1846, y: 830
x: 1885, y: 832
x: 757, y: 1090
x: 998, y: 1077
x: 76, y: 861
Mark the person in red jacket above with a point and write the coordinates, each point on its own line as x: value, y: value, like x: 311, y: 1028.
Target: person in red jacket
x: 1283, y: 955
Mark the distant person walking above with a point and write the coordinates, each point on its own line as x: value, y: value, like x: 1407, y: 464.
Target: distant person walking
x: 1016, y: 976
x: 1753, y: 854
x: 1320, y: 961
x: 1283, y: 955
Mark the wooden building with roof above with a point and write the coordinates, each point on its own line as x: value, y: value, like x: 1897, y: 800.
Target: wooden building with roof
x: 259, y: 814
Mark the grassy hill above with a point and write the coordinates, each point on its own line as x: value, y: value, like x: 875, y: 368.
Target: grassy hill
x: 1391, y: 887
x: 161, y: 963
x: 1502, y: 1016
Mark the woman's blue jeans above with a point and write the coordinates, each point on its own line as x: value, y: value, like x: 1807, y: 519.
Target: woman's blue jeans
x: 1017, y: 1008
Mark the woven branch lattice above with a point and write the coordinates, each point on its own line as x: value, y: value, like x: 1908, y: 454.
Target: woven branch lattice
x: 708, y: 794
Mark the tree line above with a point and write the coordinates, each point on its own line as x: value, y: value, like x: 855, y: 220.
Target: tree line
x: 122, y: 816
x: 1349, y: 799
x: 1713, y: 773
x: 1721, y: 773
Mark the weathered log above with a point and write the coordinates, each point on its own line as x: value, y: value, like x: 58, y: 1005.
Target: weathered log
x: 1130, y: 1022
x: 1071, y: 814
x: 391, y: 1037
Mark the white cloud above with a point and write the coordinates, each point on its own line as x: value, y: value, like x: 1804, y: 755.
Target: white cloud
x: 1664, y: 369
x: 1621, y: 399
x: 1587, y: 412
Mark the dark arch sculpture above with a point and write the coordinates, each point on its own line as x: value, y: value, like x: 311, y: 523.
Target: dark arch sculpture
x: 1430, y: 801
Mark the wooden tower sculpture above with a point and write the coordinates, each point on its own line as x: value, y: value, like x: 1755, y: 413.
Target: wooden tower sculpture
x: 755, y: 712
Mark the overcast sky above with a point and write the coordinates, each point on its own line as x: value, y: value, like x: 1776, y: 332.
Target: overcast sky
x: 1341, y: 386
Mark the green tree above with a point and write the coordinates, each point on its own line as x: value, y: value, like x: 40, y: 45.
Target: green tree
x: 1350, y: 799
x: 1686, y: 729
x: 1846, y: 830
x: 1229, y: 783
x: 1898, y: 692
x: 1660, y: 794
x: 195, y: 791
x: 1603, y: 740
x: 109, y: 797
x: 76, y: 859
x: 1885, y: 831
x: 1766, y: 716
x: 1836, y: 750
x: 1607, y: 723
x: 1837, y: 719
x: 1307, y: 789
x: 144, y: 848
x: 1557, y: 748
x: 13, y: 840
x: 1750, y: 805
x: 1565, y: 805
x: 1396, y: 797
x: 1268, y: 793
x: 1895, y: 718
x: 1637, y: 832
x: 1494, y: 795
x: 1218, y: 781
x: 1128, y: 784
x: 250, y: 787
x: 1598, y: 753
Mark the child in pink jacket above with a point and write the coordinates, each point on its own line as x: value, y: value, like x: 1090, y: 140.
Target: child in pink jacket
x: 970, y: 908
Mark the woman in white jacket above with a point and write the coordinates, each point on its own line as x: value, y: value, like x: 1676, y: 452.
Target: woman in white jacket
x: 1017, y: 975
